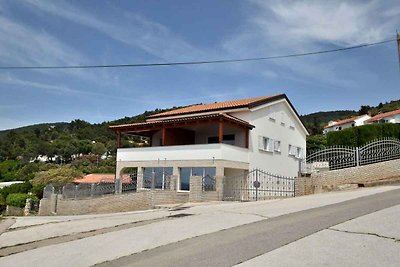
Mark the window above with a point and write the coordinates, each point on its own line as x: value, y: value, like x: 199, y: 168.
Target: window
x: 161, y: 177
x: 295, y: 151
x: 265, y: 144
x: 185, y: 173
x: 292, y: 150
x: 277, y: 145
x: 298, y: 152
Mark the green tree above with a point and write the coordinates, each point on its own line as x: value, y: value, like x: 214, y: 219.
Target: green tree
x: 60, y: 175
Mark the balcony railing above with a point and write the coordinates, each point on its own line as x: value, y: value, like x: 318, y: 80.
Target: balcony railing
x: 185, y: 152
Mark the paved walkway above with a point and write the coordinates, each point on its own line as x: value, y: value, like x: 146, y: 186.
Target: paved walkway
x: 121, y: 235
x: 370, y: 240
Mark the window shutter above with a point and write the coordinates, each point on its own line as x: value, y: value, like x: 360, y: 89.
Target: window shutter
x: 260, y: 142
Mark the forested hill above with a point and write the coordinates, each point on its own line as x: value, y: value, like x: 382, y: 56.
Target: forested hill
x: 66, y: 139
x: 80, y: 137
x: 316, y: 121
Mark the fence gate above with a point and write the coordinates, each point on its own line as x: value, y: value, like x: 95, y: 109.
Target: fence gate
x: 258, y: 185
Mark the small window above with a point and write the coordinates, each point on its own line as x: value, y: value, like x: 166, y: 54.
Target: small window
x: 291, y: 150
x: 268, y: 144
x: 295, y: 151
x: 299, y: 151
x: 277, y: 145
x: 265, y: 144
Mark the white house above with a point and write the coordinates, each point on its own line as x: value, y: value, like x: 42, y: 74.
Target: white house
x: 387, y: 117
x: 219, y: 139
x: 346, y: 123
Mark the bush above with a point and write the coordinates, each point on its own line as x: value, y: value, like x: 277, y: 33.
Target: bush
x: 316, y: 142
x: 58, y: 176
x: 16, y: 188
x: 17, y: 199
x: 359, y: 136
x: 2, y: 203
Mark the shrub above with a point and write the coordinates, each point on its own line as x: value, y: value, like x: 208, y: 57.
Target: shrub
x: 16, y: 188
x: 17, y: 199
x: 2, y: 203
x: 61, y: 175
x: 358, y: 136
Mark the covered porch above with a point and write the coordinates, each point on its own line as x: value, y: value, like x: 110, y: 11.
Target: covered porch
x: 204, y: 129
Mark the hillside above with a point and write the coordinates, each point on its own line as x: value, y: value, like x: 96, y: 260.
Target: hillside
x: 66, y: 139
x: 316, y: 121
x: 81, y: 137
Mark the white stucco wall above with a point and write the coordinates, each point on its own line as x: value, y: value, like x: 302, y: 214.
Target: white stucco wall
x: 393, y: 119
x: 278, y: 122
x: 357, y: 122
x: 273, y: 120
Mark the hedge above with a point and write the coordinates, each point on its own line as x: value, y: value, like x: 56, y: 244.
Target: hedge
x: 19, y: 199
x: 359, y: 136
x: 16, y: 188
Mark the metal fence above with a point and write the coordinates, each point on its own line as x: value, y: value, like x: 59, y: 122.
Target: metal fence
x: 208, y: 183
x: 340, y: 157
x: 258, y: 185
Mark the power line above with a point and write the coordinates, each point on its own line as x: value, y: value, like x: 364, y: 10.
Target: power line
x: 196, y: 62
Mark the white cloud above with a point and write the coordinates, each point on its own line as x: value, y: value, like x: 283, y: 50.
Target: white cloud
x: 20, y: 44
x: 286, y: 27
x: 59, y: 89
x: 129, y: 28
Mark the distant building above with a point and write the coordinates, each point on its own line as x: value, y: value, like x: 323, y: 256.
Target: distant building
x: 346, y: 123
x: 95, y: 178
x: 387, y: 117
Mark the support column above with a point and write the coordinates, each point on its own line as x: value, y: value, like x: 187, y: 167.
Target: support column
x: 196, y: 189
x: 219, y: 186
x: 119, y: 140
x: 139, y: 183
x: 247, y: 137
x: 221, y: 131
x: 163, y: 134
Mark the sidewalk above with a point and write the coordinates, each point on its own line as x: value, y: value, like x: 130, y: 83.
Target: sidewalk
x: 159, y: 229
x: 370, y: 240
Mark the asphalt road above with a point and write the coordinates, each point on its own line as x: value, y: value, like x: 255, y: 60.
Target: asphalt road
x: 239, y: 244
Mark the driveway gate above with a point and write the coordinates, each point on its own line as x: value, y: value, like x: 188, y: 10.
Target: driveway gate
x: 258, y: 185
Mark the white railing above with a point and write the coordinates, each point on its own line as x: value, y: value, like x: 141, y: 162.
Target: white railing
x: 185, y: 152
x: 339, y: 157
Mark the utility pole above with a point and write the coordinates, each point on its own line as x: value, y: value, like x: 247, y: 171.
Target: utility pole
x: 398, y: 46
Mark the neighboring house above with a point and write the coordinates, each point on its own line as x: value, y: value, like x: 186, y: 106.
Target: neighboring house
x: 218, y: 139
x: 95, y: 178
x: 387, y: 117
x: 346, y: 123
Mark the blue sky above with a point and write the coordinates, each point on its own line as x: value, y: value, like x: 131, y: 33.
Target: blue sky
x: 143, y: 31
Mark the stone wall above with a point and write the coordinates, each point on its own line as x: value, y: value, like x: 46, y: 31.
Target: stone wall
x: 198, y: 195
x: 145, y: 199
x: 330, y: 180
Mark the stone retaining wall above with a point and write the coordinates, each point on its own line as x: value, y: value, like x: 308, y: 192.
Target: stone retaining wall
x: 331, y: 180
x: 145, y: 199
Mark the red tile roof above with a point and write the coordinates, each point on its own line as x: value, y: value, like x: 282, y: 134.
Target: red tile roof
x: 100, y: 178
x: 184, y: 120
x: 344, y: 121
x: 232, y: 104
x: 383, y: 115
